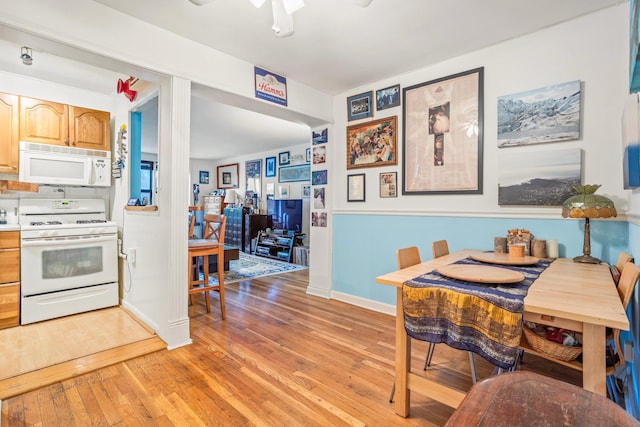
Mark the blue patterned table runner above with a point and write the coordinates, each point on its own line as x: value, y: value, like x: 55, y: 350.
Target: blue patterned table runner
x: 484, y: 318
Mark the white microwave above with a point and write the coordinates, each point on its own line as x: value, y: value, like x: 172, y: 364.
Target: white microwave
x: 57, y: 165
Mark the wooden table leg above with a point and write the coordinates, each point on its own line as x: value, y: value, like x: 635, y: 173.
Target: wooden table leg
x: 594, y: 370
x: 403, y: 361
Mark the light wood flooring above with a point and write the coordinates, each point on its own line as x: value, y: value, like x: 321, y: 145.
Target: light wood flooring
x: 42, y: 353
x: 282, y: 358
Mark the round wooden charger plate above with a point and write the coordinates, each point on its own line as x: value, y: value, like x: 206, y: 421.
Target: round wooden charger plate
x: 480, y: 273
x: 504, y: 259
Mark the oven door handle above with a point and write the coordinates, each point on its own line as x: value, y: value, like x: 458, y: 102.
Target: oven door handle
x: 66, y: 241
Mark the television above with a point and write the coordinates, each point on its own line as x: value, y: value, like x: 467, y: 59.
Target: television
x: 286, y: 214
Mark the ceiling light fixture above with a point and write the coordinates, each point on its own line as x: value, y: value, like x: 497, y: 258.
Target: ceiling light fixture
x: 26, y: 55
x: 283, y: 11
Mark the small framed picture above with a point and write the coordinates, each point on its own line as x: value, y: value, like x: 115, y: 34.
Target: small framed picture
x: 283, y: 191
x: 204, y: 177
x: 388, y: 184
x: 308, y: 155
x: 388, y: 97
x: 319, y: 198
x: 306, y: 191
x: 284, y: 158
x: 319, y: 177
x: 356, y: 188
x: 360, y: 106
x: 319, y: 154
x: 320, y: 137
x: 270, y: 167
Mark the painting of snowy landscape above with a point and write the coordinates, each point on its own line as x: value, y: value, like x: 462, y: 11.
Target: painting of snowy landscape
x: 541, y: 115
x: 541, y: 178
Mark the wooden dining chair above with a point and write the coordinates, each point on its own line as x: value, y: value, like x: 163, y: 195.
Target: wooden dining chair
x: 626, y: 286
x: 616, y: 269
x: 439, y: 248
x: 212, y: 244
x: 406, y: 257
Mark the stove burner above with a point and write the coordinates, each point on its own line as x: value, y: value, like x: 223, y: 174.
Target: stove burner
x: 91, y: 221
x: 45, y: 223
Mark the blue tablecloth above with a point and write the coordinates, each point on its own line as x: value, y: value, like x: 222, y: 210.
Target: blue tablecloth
x: 484, y: 318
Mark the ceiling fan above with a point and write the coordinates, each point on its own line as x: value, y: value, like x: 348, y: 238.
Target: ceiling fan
x: 283, y: 12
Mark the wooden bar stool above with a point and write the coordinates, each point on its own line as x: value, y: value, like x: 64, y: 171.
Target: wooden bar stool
x: 214, y: 226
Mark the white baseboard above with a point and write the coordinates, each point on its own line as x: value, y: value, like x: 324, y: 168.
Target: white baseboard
x: 365, y: 303
x: 318, y: 292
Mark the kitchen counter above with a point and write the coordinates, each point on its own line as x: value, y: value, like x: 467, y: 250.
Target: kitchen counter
x: 9, y: 227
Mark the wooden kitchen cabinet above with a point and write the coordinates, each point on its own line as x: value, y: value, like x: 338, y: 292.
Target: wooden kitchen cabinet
x: 9, y: 279
x: 9, y: 133
x: 47, y: 122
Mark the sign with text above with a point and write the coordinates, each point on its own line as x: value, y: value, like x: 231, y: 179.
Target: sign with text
x: 270, y: 87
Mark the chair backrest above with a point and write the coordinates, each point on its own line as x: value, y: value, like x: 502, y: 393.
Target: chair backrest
x: 406, y: 257
x: 192, y: 225
x: 214, y: 227
x: 627, y: 283
x: 623, y: 258
x: 439, y: 248
x: 626, y: 286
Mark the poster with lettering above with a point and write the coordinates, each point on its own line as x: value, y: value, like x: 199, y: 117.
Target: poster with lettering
x: 270, y: 87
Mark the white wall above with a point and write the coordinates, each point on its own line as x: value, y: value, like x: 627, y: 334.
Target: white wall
x: 593, y: 49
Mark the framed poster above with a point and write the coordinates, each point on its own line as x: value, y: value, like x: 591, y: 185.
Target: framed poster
x: 320, y: 137
x: 372, y: 143
x: 360, y: 106
x: 253, y: 173
x: 284, y: 158
x: 204, y: 177
x: 270, y: 167
x: 356, y: 188
x: 388, y: 97
x: 443, y: 135
x: 319, y: 177
x: 388, y: 184
x: 228, y: 176
x: 295, y: 173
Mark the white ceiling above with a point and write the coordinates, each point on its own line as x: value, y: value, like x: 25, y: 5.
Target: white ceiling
x: 336, y: 46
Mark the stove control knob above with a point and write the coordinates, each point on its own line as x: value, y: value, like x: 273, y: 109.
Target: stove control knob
x: 44, y: 234
x: 55, y: 233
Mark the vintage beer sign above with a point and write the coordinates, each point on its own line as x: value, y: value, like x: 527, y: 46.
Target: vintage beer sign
x: 270, y: 87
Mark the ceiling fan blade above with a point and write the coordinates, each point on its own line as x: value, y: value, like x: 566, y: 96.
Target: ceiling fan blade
x: 291, y: 6
x: 257, y: 3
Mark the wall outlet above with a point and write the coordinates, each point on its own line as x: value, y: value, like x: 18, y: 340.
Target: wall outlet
x: 131, y: 255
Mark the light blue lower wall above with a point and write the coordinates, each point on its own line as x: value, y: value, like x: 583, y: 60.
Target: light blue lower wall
x: 364, y: 245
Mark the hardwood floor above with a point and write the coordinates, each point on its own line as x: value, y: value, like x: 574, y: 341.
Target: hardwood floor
x: 282, y: 357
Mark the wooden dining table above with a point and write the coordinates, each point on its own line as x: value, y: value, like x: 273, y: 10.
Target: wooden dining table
x: 576, y: 296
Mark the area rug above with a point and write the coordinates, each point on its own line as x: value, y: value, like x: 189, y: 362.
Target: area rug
x: 251, y: 266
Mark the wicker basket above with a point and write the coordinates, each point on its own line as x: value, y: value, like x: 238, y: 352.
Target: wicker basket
x: 550, y: 348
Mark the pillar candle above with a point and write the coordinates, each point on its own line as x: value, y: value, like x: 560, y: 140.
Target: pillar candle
x: 539, y: 248
x: 552, y: 248
x: 500, y: 245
